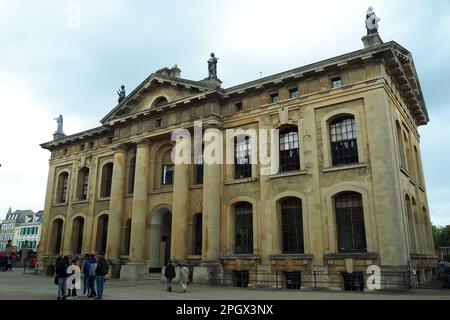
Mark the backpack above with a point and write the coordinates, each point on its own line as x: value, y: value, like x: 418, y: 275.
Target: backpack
x: 102, y: 267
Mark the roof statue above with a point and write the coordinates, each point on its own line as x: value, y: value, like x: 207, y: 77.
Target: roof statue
x: 121, y: 94
x: 212, y: 66
x: 59, y: 120
x: 371, y: 22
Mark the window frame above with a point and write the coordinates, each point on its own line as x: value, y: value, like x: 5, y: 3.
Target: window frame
x: 243, y: 228
x: 289, y: 163
x: 343, y: 151
x: 242, y: 153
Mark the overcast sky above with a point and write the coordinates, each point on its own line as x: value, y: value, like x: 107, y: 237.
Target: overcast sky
x: 52, y: 63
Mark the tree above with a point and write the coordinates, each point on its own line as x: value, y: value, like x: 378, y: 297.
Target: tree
x: 441, y: 236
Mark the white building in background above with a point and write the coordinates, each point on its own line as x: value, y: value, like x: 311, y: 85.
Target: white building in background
x: 20, y: 226
x: 29, y: 230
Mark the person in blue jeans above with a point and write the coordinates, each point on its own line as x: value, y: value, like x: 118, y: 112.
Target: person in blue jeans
x: 61, y: 273
x: 85, y: 269
x: 101, y: 271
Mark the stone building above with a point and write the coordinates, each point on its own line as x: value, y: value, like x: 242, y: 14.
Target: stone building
x: 29, y: 232
x: 349, y: 190
x: 11, y: 227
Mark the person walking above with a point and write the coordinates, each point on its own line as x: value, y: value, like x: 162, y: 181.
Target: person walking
x: 85, y: 268
x: 9, y: 255
x: 184, y: 277
x: 169, y: 273
x: 61, y: 275
x: 101, y: 271
x: 92, y: 275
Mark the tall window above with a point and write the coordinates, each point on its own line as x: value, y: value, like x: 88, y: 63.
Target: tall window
x: 107, y: 180
x: 78, y: 231
x: 289, y: 150
x: 401, y: 145
x: 242, y: 148
x: 83, y: 184
x: 244, y: 228
x: 63, y: 182
x: 132, y: 173
x: 351, y: 231
x: 199, y: 166
x: 292, y: 226
x: 127, y: 237
x: 58, y: 229
x: 344, y: 147
x: 102, y: 233
x: 167, y: 174
x: 198, y: 233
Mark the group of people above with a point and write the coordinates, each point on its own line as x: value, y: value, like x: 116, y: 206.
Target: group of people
x: 94, y: 271
x: 7, y: 259
x: 170, y: 274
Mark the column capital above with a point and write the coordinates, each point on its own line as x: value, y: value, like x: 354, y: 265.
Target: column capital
x: 144, y: 143
x: 120, y: 148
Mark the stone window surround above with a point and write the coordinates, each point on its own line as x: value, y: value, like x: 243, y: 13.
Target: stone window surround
x: 326, y: 140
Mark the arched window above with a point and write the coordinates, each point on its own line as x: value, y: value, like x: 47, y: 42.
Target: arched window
x: 242, y: 160
x: 63, y: 184
x: 344, y: 147
x: 131, y: 175
x: 107, y: 173
x: 77, y: 234
x: 83, y: 184
x: 58, y: 230
x: 401, y: 145
x: 289, y: 150
x: 102, y: 233
x: 292, y: 226
x: 198, y: 223
x: 159, y: 102
x: 351, y: 231
x: 411, y: 224
x: 243, y: 228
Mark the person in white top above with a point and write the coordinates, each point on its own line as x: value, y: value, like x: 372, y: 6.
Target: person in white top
x: 184, y: 277
x: 74, y: 279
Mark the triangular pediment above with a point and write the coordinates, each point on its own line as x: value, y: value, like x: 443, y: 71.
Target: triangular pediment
x: 158, y: 89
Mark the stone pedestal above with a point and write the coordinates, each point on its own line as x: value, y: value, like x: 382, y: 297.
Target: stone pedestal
x: 134, y: 271
x: 114, y: 269
x: 372, y: 40
x: 203, y: 273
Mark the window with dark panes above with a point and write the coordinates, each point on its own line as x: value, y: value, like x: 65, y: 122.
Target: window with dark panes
x: 167, y: 174
x: 336, y: 82
x: 344, y: 146
x: 351, y: 233
x: 238, y: 106
x: 243, y: 166
x: 199, y: 165
x: 289, y: 150
x: 85, y: 188
x: 293, y: 93
x: 132, y: 175
x: 292, y: 226
x: 243, y: 228
x: 198, y: 233
x: 64, y: 184
x: 107, y: 180
x: 274, y: 98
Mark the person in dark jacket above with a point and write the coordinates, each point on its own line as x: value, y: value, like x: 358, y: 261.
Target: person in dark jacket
x: 61, y: 274
x: 170, y: 275
x: 100, y: 272
x: 85, y: 270
x: 92, y: 275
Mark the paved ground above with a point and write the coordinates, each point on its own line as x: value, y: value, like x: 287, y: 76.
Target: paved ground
x: 18, y: 286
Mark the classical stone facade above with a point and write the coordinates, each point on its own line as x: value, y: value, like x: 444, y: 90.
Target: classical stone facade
x: 349, y: 191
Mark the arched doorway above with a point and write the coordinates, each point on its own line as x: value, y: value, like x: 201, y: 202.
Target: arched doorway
x: 160, y: 238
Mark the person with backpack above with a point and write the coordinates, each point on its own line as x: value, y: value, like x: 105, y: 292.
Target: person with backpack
x: 85, y: 269
x: 101, y: 271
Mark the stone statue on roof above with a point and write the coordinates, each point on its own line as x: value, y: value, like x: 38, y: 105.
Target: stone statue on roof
x: 371, y: 22
x: 121, y: 94
x: 59, y: 120
x: 212, y: 66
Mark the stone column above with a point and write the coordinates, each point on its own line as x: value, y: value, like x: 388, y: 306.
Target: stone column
x: 212, y: 181
x: 136, y: 268
x: 116, y: 207
x: 180, y: 205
